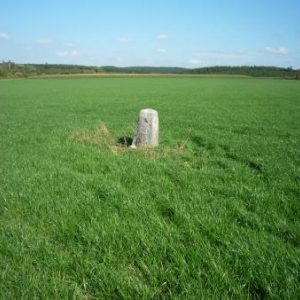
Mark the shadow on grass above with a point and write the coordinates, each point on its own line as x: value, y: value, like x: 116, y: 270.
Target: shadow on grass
x: 125, y: 141
x: 256, y: 290
x: 201, y: 143
x: 258, y: 168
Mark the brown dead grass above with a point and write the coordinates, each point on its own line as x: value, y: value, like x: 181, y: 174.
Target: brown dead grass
x: 101, y: 138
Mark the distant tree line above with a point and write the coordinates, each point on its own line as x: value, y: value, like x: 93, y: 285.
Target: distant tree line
x: 143, y: 70
x: 253, y: 71
x: 9, y: 69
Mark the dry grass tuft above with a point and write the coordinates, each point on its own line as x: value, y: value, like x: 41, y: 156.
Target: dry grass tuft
x: 101, y: 138
x: 182, y: 146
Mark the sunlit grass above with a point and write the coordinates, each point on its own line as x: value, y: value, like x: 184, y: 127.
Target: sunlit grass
x: 212, y: 213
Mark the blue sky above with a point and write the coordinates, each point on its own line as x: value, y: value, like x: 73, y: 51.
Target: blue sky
x: 190, y: 33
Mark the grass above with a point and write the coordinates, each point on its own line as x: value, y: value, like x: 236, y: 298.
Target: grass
x: 212, y: 213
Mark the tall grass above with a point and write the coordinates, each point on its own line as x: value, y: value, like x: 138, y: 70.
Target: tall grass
x: 212, y: 213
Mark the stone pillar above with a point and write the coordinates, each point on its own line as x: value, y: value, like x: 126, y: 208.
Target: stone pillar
x: 146, y: 134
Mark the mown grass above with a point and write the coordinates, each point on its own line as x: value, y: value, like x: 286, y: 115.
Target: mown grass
x: 212, y: 213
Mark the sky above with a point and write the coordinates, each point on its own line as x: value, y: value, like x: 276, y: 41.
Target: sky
x: 175, y: 33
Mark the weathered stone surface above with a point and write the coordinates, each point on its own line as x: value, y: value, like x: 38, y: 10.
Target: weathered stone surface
x: 147, y: 130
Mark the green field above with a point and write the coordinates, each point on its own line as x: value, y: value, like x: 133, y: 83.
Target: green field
x: 212, y: 213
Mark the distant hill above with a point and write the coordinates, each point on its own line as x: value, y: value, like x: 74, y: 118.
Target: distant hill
x: 144, y: 70
x: 12, y: 70
x: 253, y: 71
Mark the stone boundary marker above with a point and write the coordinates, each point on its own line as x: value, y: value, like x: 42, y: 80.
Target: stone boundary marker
x: 147, y: 130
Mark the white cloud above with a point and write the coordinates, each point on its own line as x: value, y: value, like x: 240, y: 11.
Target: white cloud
x: 281, y: 50
x: 214, y: 58
x: 124, y: 40
x: 195, y: 61
x: 68, y: 45
x: 161, y: 50
x: 44, y: 41
x: 3, y: 36
x: 163, y: 36
x: 29, y: 48
x: 73, y: 53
